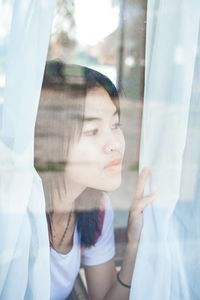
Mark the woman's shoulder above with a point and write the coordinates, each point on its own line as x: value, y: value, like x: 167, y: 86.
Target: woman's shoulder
x: 104, y: 248
x: 106, y: 202
x: 107, y: 211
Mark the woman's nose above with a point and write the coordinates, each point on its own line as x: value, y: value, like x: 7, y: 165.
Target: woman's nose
x: 112, y: 144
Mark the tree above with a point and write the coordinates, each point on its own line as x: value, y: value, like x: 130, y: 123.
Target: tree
x: 63, y: 35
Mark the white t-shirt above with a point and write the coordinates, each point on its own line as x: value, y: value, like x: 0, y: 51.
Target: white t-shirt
x: 65, y: 267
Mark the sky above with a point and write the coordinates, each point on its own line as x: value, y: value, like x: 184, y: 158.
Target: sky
x: 95, y: 19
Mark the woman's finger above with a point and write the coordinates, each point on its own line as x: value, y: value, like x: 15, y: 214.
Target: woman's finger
x: 140, y: 205
x: 141, y: 183
x: 147, y: 200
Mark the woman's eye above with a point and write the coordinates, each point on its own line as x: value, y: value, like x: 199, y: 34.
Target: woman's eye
x: 116, y: 125
x: 91, y: 132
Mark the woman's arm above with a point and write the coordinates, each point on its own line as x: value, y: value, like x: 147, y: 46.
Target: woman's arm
x: 102, y: 279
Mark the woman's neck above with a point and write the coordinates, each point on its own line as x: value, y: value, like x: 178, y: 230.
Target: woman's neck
x: 64, y: 203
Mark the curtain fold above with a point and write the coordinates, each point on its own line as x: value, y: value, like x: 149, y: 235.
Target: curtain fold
x: 24, y: 248
x: 166, y: 252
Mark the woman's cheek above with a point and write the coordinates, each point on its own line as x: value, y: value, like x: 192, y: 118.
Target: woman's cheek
x: 86, y: 153
x: 88, y: 149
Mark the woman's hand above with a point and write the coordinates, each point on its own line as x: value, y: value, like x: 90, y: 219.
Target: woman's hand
x: 135, y: 220
x: 103, y: 277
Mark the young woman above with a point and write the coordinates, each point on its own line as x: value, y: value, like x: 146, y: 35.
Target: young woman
x: 91, y: 146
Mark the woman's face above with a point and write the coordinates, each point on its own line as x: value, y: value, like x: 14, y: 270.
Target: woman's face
x: 95, y: 160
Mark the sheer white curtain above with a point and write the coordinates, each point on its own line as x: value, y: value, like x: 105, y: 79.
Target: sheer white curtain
x: 168, y: 261
x: 24, y: 251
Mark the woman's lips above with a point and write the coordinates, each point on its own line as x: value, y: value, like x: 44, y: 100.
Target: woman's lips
x: 114, y: 164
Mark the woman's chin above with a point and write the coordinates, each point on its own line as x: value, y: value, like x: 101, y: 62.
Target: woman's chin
x: 112, y: 189
x: 106, y: 183
x: 111, y: 186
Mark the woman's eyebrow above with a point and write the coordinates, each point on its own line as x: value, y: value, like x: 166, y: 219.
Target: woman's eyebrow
x: 90, y: 119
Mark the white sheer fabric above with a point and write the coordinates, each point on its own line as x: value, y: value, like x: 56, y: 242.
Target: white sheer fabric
x: 168, y: 261
x: 24, y: 251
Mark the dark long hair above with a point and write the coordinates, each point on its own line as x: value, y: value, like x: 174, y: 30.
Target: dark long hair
x: 73, y: 82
